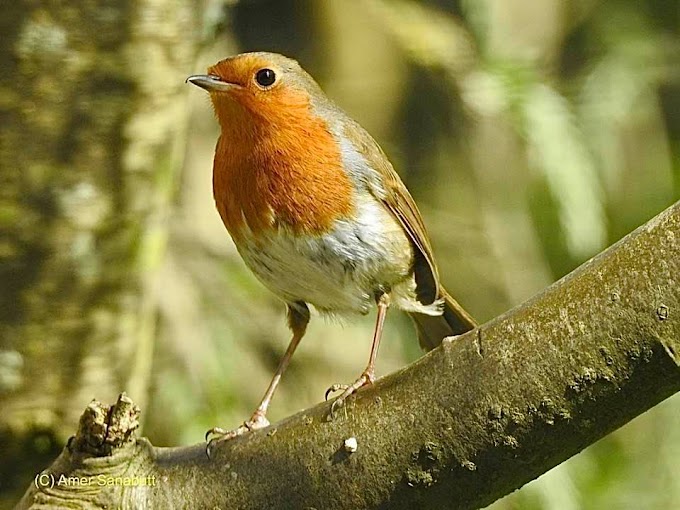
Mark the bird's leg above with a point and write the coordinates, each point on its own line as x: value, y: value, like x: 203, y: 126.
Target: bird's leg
x: 298, y: 318
x: 368, y: 375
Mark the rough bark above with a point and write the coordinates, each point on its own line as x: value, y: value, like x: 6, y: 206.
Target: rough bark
x: 91, y: 134
x: 464, y: 425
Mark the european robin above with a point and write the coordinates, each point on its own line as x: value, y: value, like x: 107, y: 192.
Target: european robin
x: 316, y: 210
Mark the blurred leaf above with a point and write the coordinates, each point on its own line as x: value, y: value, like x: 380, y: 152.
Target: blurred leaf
x: 557, y: 149
x: 430, y: 36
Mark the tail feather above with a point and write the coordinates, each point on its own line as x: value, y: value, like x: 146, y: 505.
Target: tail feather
x: 433, y: 329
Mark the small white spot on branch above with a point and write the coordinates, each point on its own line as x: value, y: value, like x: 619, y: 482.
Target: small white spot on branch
x: 350, y: 445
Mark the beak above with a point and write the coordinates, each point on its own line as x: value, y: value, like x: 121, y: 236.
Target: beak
x: 211, y: 83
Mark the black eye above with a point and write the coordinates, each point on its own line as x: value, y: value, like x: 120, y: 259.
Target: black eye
x: 265, y: 77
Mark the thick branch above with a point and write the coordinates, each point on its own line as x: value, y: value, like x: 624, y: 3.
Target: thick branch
x: 466, y: 424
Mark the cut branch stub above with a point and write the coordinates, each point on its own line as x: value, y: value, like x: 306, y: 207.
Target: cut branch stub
x: 102, y: 428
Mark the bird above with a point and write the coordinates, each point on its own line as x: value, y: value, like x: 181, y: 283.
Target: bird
x: 317, y: 212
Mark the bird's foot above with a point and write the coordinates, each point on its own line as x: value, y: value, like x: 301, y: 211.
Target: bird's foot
x: 366, y: 378
x: 218, y: 435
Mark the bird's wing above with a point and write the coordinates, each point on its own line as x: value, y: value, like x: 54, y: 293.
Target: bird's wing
x: 400, y: 203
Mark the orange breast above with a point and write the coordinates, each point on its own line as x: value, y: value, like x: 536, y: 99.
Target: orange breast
x: 278, y: 165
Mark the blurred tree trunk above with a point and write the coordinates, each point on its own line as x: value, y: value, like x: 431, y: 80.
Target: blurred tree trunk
x: 91, y: 133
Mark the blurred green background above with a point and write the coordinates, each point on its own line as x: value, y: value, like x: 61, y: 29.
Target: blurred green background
x: 531, y: 134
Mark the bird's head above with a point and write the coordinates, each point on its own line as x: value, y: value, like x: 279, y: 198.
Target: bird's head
x: 259, y: 88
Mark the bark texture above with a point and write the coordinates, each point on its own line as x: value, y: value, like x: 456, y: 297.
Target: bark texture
x: 464, y: 425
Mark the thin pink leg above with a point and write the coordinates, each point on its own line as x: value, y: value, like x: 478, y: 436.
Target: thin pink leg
x: 368, y: 375
x: 298, y: 317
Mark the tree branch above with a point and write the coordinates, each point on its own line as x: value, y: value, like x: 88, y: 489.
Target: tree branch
x: 464, y: 425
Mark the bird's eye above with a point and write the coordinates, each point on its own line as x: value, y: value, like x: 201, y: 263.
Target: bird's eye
x: 265, y: 77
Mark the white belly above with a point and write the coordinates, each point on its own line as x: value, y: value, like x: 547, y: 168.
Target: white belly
x: 340, y: 271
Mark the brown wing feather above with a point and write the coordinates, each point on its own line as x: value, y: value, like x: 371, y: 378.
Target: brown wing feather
x: 400, y: 203
x: 391, y: 190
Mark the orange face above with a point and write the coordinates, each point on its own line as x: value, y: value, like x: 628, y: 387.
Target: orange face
x: 257, y: 84
x: 276, y: 161
x: 269, y: 87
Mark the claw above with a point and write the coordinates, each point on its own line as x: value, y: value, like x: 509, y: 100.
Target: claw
x: 257, y: 421
x: 335, y: 406
x: 220, y: 435
x: 335, y: 387
x: 215, y: 431
x: 348, y: 389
